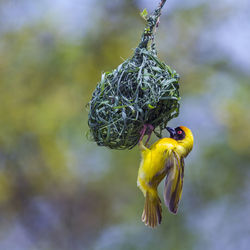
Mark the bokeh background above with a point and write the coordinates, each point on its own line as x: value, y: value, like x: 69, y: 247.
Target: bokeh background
x: 59, y: 190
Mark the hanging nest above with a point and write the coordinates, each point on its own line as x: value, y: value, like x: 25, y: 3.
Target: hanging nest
x: 142, y: 90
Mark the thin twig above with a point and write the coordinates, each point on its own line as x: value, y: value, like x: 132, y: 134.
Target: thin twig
x: 162, y: 3
x: 152, y: 23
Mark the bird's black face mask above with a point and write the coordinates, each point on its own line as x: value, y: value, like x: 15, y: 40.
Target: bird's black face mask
x: 176, y: 133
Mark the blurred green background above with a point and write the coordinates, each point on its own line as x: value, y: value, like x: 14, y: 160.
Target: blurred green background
x: 59, y: 190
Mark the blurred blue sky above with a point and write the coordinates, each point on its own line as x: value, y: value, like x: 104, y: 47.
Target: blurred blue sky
x: 74, y: 18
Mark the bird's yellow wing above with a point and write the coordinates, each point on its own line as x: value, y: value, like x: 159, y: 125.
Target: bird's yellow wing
x: 174, y: 181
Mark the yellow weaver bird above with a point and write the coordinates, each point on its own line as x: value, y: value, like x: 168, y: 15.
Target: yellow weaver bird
x: 164, y: 158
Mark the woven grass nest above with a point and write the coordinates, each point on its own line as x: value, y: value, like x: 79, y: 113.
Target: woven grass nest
x: 142, y: 90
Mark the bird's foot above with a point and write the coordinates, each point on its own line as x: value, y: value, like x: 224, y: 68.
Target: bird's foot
x: 146, y: 130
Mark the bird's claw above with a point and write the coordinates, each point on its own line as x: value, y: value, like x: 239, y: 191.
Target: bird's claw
x: 146, y: 130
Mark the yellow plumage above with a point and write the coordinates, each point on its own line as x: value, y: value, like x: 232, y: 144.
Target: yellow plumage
x: 164, y: 158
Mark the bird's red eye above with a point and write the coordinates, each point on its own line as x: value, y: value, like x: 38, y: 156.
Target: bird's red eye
x: 179, y: 132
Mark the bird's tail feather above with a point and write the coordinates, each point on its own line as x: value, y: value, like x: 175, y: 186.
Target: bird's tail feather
x: 151, y: 215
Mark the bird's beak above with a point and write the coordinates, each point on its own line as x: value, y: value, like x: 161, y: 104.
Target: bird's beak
x: 171, y: 131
